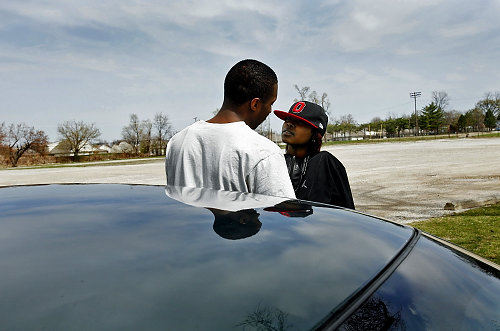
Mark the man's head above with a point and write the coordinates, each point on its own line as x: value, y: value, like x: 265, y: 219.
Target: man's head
x: 236, y: 225
x: 251, y: 87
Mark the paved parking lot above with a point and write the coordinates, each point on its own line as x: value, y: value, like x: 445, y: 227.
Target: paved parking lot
x: 399, y: 181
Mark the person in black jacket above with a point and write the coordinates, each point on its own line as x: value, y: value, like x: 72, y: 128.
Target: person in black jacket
x: 316, y: 176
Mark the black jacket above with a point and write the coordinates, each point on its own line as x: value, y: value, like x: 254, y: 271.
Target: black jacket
x: 324, y: 180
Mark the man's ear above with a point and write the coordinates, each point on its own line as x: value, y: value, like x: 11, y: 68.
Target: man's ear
x: 255, y: 104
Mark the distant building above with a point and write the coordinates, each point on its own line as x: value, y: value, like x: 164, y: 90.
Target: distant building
x: 103, y: 149
x: 122, y: 147
x: 61, y: 148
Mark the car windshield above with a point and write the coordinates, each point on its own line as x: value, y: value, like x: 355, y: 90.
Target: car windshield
x: 122, y: 256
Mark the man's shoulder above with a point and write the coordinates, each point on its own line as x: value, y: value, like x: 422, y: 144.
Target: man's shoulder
x: 184, y: 131
x: 238, y: 134
x: 199, y: 128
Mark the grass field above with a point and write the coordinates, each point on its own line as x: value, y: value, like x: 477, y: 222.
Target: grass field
x: 476, y: 230
x: 488, y: 135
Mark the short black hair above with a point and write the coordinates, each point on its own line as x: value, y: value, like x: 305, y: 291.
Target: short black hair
x: 249, y: 79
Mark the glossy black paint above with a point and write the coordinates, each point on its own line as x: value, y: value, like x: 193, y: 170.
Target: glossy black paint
x: 129, y: 257
x: 435, y: 288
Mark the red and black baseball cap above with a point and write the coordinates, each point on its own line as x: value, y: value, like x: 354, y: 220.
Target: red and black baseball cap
x: 307, y: 112
x: 292, y: 209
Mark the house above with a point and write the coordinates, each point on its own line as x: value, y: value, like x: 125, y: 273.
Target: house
x: 61, y: 148
x: 122, y: 147
x: 103, y: 149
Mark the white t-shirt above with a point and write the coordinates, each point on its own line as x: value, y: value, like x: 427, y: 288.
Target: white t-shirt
x: 230, y: 157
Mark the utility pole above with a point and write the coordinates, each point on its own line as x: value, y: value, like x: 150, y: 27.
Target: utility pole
x: 415, y: 95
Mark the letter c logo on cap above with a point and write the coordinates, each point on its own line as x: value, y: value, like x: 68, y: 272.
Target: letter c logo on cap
x: 299, y: 106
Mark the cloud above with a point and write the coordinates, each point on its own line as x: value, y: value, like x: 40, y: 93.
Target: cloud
x: 462, y: 30
x: 133, y: 56
x: 366, y: 20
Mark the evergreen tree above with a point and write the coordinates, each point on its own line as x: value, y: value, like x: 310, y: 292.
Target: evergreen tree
x: 433, y: 117
x: 402, y: 124
x: 423, y: 123
x: 490, y: 120
x: 390, y: 127
x: 462, y: 123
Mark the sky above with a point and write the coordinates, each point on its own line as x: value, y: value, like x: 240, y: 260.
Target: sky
x: 99, y: 61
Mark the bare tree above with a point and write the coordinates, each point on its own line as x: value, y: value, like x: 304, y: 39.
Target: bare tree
x: 477, y: 118
x: 3, y: 132
x: 441, y: 99
x: 325, y: 103
x: 163, y: 129
x: 266, y: 318
x: 375, y: 314
x: 21, y: 138
x: 451, y: 120
x: 313, y: 96
x: 491, y: 101
x: 146, y: 139
x: 302, y: 91
x: 76, y: 134
x: 264, y: 127
x: 348, y: 123
x: 132, y: 133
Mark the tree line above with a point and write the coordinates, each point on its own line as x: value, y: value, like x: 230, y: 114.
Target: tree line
x: 147, y: 137
x: 433, y: 118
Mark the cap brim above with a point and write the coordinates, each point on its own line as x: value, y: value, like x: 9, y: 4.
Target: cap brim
x: 284, y: 115
x: 290, y: 213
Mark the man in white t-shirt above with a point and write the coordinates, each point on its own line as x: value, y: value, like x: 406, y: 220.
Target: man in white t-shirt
x: 225, y: 153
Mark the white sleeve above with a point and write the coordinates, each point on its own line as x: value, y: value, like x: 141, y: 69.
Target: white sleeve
x: 270, y: 177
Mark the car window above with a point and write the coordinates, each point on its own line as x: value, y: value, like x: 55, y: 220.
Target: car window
x: 435, y: 288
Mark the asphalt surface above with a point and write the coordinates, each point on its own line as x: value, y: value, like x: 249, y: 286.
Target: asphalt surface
x: 402, y: 181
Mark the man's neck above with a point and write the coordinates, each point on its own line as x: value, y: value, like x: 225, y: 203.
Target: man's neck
x: 229, y: 113
x: 299, y: 151
x: 226, y: 116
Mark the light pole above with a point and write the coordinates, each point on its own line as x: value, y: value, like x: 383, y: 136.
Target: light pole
x: 415, y: 95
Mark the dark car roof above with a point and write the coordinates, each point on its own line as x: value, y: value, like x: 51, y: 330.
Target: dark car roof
x: 122, y: 256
